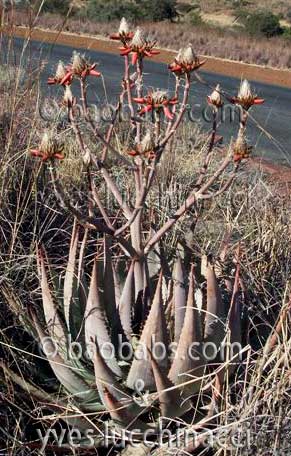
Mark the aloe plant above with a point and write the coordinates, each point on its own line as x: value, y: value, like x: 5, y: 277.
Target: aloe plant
x: 135, y: 391
x: 151, y: 304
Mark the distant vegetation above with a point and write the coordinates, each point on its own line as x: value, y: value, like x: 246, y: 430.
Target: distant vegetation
x: 257, y: 37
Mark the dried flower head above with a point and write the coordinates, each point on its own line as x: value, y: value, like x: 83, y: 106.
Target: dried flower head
x: 215, y: 98
x: 246, y: 97
x: 50, y: 147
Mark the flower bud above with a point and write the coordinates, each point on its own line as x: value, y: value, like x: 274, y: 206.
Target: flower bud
x: 241, y: 149
x: 147, y: 143
x: 138, y: 40
x: 87, y: 157
x: 188, y: 56
x: 68, y: 99
x: 50, y: 145
x: 245, y: 92
x: 215, y: 98
x: 60, y: 71
x: 158, y: 96
x: 123, y: 27
x: 79, y: 63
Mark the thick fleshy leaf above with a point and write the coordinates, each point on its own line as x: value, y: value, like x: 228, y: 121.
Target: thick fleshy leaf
x: 126, y: 303
x: 104, y: 378
x: 153, y: 258
x: 179, y: 297
x: 122, y: 417
x: 215, y: 315
x: 96, y: 327
x: 65, y: 373
x: 171, y: 402
x: 109, y: 294
x: 117, y: 285
x: 189, y: 362
x: 70, y: 281
x: 153, y: 338
x: 55, y: 325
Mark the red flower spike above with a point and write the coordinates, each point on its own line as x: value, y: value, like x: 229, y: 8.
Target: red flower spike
x: 49, y: 148
x: 139, y: 46
x: 123, y: 35
x: 246, y: 97
x: 158, y: 101
x: 185, y: 62
x: 61, y: 73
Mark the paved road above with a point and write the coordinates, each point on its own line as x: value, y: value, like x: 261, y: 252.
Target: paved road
x: 274, y: 116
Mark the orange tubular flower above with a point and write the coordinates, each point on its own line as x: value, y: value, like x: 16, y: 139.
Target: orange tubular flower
x: 139, y: 47
x: 49, y: 148
x: 59, y: 76
x: 81, y: 68
x: 158, y: 101
x: 123, y: 35
x: 246, y: 98
x: 185, y: 62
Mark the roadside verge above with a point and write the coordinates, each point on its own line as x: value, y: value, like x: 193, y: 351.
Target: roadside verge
x: 213, y: 65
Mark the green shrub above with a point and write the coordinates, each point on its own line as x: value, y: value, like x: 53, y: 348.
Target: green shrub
x: 194, y: 18
x: 263, y: 23
x: 158, y: 11
x: 149, y: 10
x: 287, y: 33
x: 112, y: 10
x: 56, y: 6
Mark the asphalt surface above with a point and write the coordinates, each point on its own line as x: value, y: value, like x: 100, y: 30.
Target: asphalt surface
x: 269, y: 132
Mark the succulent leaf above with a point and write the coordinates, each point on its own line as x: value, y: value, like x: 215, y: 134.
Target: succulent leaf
x: 153, y: 332
x: 70, y: 282
x: 179, y: 297
x: 188, y: 361
x: 126, y: 302
x: 53, y: 320
x: 216, y: 314
x: 64, y: 372
x: 171, y: 402
x: 95, y: 324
